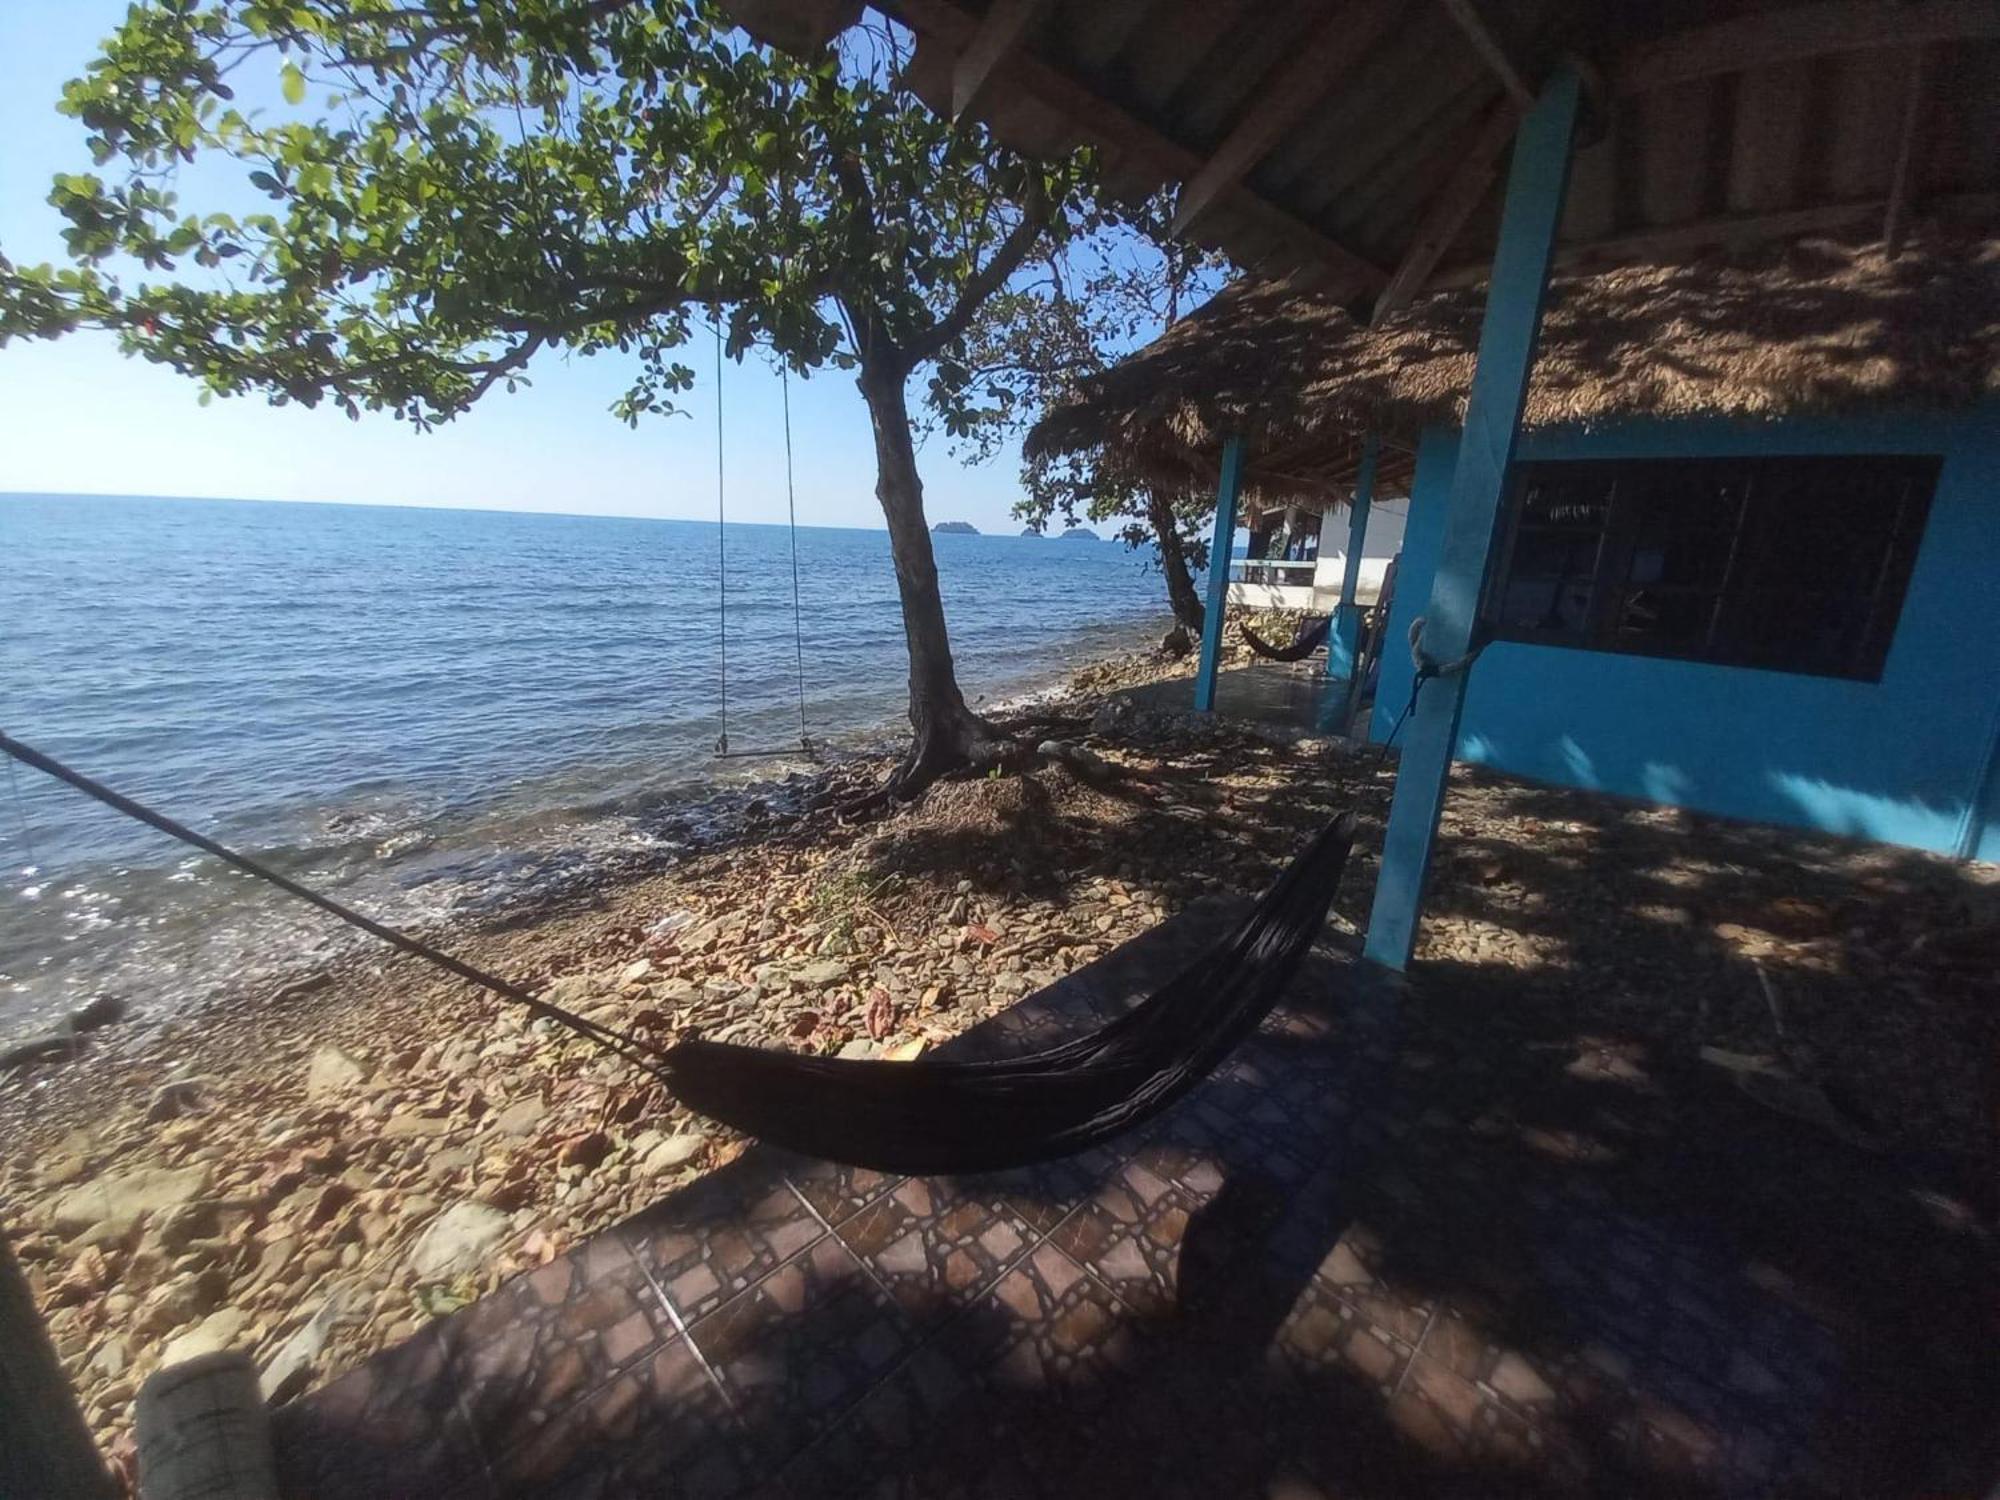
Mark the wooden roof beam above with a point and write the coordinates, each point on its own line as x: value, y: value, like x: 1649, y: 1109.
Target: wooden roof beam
x: 1763, y: 38
x: 1453, y: 204
x: 1491, y: 52
x: 1000, y: 32
x: 1095, y: 116
x: 1302, y: 82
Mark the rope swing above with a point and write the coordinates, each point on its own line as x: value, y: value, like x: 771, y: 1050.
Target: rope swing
x: 807, y: 745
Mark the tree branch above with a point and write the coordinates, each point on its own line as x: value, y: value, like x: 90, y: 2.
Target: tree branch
x: 987, y: 280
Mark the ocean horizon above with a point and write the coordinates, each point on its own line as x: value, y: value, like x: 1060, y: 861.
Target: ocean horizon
x: 438, y: 713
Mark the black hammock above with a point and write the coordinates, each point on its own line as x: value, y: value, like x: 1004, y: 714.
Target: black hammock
x: 1303, y: 644
x: 945, y: 1116
x: 936, y: 1115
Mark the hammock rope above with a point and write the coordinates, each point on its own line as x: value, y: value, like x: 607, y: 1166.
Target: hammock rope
x: 621, y: 1043
x: 925, y: 1115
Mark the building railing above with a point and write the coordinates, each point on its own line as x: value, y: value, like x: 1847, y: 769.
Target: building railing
x: 1268, y: 571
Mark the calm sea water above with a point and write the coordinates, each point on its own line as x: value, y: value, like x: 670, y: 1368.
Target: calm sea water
x: 434, y: 713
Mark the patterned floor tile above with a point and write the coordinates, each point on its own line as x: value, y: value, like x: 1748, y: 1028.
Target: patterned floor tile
x: 711, y: 1241
x: 392, y: 1429
x: 918, y: 1435
x: 527, y: 1353
x: 1130, y: 1236
x: 1325, y: 1332
x: 835, y: 1192
x: 659, y: 1429
x: 1047, y: 1324
x: 935, y: 1246
x: 1043, y: 1195
x: 803, y: 1345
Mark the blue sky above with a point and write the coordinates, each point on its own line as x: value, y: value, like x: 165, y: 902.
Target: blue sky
x: 80, y: 417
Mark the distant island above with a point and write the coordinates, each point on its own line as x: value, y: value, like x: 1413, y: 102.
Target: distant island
x: 1031, y: 531
x: 1081, y: 534
x: 955, y: 528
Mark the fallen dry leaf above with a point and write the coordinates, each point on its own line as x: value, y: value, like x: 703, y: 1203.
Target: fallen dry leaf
x: 881, y: 1014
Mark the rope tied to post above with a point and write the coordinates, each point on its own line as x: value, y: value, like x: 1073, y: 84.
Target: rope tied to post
x: 1429, y: 666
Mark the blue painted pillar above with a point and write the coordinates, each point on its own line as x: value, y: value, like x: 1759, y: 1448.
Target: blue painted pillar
x: 1218, y: 575
x: 1981, y: 827
x: 1528, y: 221
x: 1344, y: 640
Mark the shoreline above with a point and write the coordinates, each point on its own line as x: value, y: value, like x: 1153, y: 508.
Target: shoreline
x: 40, y: 1102
x: 486, y: 881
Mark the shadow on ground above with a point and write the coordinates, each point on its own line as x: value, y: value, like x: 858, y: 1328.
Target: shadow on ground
x: 1412, y: 1243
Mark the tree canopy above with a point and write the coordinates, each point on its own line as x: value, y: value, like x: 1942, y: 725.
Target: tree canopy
x: 454, y: 187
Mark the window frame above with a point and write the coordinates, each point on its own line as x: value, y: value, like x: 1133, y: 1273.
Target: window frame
x: 1618, y: 540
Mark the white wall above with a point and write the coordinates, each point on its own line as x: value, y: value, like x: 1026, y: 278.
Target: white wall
x: 1382, y: 541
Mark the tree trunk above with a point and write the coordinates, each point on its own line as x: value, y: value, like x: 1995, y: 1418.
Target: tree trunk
x: 948, y: 735
x: 1181, y: 592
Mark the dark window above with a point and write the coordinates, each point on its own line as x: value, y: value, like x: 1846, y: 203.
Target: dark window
x: 1795, y: 564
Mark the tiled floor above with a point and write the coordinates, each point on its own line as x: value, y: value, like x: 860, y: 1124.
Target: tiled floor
x: 1389, y: 1248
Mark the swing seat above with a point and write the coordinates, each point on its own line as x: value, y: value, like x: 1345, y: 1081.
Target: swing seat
x: 807, y: 748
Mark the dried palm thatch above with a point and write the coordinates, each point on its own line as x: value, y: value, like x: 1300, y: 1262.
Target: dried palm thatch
x: 1816, y: 326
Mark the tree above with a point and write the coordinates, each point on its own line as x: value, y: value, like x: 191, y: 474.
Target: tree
x: 1098, y: 298
x: 477, y: 182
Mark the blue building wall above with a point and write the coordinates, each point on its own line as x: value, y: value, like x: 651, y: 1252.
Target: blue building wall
x: 1909, y: 760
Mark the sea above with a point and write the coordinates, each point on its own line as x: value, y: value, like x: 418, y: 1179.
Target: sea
x: 441, y: 715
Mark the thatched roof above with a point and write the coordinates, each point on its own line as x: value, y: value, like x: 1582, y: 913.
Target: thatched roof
x: 1813, y: 327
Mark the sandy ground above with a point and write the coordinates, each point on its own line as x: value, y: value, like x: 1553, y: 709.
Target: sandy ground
x: 312, y: 1175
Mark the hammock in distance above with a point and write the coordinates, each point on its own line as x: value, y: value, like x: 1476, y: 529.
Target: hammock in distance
x: 929, y: 1115
x: 1307, y: 641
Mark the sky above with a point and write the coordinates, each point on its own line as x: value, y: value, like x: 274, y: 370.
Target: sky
x: 76, y: 416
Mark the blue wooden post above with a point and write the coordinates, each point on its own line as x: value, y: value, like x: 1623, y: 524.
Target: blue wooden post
x: 1344, y: 640
x: 1218, y: 575
x: 1528, y: 221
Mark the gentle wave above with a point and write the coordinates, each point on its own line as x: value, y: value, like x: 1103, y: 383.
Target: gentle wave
x: 435, y: 713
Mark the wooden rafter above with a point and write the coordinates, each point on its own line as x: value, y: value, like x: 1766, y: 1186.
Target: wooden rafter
x: 1097, y: 118
x: 1776, y: 36
x: 1453, y: 204
x: 1000, y: 32
x: 1340, y: 43
x: 1491, y: 52
x: 1902, y: 181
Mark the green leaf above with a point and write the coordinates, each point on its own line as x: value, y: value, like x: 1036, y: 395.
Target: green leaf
x: 293, y: 82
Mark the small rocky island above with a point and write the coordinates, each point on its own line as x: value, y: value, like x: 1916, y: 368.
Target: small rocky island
x: 1081, y: 534
x: 955, y: 528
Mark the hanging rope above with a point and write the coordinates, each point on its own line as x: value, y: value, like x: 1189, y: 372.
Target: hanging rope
x: 622, y: 1044
x: 721, y: 552
x: 792, y: 519
x: 805, y: 744
x: 1428, y: 667
x: 21, y: 815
